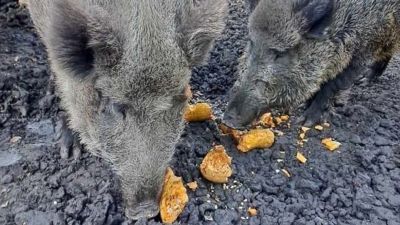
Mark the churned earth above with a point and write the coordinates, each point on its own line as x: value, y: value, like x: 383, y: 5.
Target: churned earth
x: 359, y: 184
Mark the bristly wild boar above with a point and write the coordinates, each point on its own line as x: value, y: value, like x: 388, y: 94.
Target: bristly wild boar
x: 302, y: 49
x: 121, y: 68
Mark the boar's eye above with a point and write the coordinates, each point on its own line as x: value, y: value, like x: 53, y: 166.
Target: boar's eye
x: 185, y: 95
x: 119, y: 109
x: 277, y: 54
x: 110, y: 108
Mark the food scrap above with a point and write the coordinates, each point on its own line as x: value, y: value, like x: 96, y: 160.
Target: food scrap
x: 198, y: 112
x: 252, y: 211
x: 257, y: 138
x: 267, y: 120
x: 305, y: 129
x: 278, y: 120
x: 216, y: 166
x: 192, y: 185
x: 319, y: 127
x: 173, y: 199
x: 284, y: 118
x: 235, y: 134
x: 284, y: 171
x: 301, y: 157
x: 330, y: 144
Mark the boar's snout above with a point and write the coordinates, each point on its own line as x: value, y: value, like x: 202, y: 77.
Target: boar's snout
x: 146, y: 209
x: 240, y: 112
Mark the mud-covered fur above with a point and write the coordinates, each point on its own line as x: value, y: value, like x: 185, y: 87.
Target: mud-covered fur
x: 297, y: 47
x: 121, y: 69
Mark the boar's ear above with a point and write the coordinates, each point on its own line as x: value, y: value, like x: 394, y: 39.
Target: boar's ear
x: 315, y: 14
x: 199, y: 23
x: 81, y: 38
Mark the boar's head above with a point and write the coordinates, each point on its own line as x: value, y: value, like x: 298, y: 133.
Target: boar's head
x: 122, y: 68
x: 290, y: 53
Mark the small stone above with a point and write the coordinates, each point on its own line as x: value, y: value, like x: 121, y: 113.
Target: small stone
x: 6, y: 179
x: 15, y: 139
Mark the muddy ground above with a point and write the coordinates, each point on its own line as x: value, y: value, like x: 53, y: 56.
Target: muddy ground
x: 357, y: 185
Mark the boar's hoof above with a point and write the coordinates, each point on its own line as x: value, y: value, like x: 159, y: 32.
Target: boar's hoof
x: 311, y: 116
x: 68, y: 141
x: 143, y: 210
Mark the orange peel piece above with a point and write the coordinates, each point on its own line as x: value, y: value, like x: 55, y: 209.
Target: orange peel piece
x: 216, y: 166
x: 257, y: 138
x: 330, y: 144
x: 198, y: 112
x: 173, y: 198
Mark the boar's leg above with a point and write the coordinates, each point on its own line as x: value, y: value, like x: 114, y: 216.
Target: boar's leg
x: 377, y: 70
x: 68, y: 140
x: 320, y: 103
x: 354, y: 74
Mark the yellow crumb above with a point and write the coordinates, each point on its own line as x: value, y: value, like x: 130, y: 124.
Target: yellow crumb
x: 330, y: 144
x: 319, y: 127
x: 252, y: 211
x: 192, y: 185
x: 286, y: 173
x: 301, y: 157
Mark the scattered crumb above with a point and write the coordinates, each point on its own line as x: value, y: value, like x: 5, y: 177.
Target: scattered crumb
x: 286, y: 173
x: 284, y: 118
x: 301, y: 157
x: 330, y: 144
x: 305, y: 129
x: 326, y: 125
x: 267, y: 120
x: 278, y: 120
x: 319, y: 127
x: 302, y: 135
x: 300, y: 143
x: 279, y: 133
x: 252, y: 211
x: 192, y: 185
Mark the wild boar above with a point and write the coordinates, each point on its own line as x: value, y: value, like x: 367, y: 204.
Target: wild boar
x: 301, y: 50
x: 121, y: 69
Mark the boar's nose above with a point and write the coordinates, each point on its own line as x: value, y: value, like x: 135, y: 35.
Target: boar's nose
x: 231, y: 120
x: 240, y: 116
x: 147, y: 209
